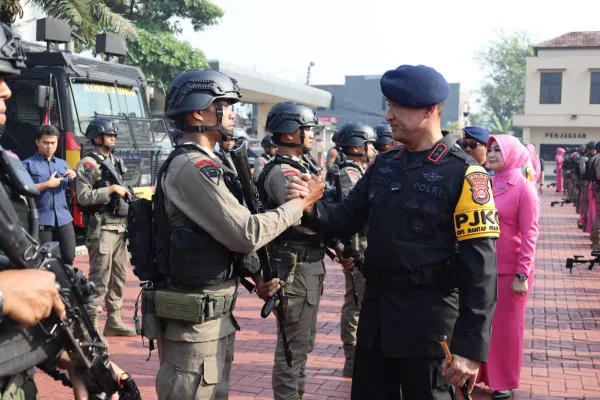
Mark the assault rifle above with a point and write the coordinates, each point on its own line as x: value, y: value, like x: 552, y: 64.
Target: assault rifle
x: 239, y: 157
x: 562, y: 203
x: 74, y: 333
x: 107, y: 163
x: 579, y: 260
x: 350, y: 249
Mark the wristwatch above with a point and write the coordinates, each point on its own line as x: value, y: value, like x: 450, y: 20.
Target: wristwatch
x: 522, y: 277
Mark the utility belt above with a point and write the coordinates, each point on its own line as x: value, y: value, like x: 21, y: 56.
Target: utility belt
x: 46, y: 228
x: 434, y: 277
x: 306, y: 252
x: 20, y: 386
x: 178, y: 302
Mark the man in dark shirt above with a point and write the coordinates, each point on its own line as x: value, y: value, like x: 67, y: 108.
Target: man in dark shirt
x: 52, y: 176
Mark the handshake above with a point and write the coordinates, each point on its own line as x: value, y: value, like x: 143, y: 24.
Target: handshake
x: 309, y: 189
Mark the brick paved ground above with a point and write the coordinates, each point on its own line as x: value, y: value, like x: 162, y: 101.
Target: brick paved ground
x: 562, y: 348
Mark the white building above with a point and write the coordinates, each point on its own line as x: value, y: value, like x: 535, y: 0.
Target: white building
x: 562, y: 93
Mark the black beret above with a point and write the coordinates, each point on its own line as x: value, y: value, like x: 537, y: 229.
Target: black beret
x: 478, y: 133
x: 414, y: 86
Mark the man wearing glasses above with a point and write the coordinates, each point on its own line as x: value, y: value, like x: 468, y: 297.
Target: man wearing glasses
x: 474, y: 144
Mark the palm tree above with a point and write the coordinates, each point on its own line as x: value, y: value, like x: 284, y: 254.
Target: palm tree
x: 90, y: 16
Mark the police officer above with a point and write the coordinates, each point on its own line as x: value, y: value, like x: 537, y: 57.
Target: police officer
x: 26, y: 296
x: 207, y: 227
x: 300, y: 250
x: 270, y: 148
x: 355, y: 140
x: 334, y: 156
x: 384, y: 140
x: 584, y: 173
x: 102, y: 201
x: 428, y: 242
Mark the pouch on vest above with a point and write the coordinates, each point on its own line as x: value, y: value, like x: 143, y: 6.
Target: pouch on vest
x: 140, y: 240
x: 197, y: 259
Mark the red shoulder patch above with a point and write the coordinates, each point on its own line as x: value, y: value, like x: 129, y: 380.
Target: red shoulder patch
x: 260, y: 163
x: 291, y: 172
x: 89, y: 164
x: 333, y: 153
x: 204, y: 162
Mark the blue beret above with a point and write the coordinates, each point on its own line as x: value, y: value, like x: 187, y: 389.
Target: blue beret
x: 414, y: 86
x: 478, y: 133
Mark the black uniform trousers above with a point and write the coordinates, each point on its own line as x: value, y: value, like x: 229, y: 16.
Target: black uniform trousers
x: 381, y: 378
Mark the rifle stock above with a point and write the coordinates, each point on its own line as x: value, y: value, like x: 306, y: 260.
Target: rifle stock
x: 239, y: 157
x: 75, y: 332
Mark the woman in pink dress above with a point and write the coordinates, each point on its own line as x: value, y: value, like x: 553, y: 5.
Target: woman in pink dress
x: 559, y: 164
x: 518, y: 207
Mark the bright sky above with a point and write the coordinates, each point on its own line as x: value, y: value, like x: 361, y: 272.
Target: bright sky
x: 355, y: 37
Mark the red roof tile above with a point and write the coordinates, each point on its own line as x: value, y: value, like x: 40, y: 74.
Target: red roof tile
x: 573, y: 39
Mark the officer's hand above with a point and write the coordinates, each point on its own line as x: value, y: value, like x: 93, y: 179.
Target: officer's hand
x: 316, y: 187
x: 519, y: 288
x: 29, y: 296
x: 266, y: 290
x: 461, y: 370
x: 347, y: 263
x: 80, y: 391
x: 53, y: 181
x: 297, y: 188
x: 70, y: 174
x: 121, y: 191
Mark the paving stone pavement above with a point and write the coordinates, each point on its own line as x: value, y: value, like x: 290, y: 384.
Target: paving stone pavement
x: 562, y: 347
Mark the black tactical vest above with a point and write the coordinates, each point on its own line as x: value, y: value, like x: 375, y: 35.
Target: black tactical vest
x: 20, y: 349
x: 106, y: 179
x: 290, y: 234
x: 412, y: 198
x: 188, y: 255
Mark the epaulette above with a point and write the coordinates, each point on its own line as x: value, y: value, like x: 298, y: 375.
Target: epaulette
x: 463, y: 156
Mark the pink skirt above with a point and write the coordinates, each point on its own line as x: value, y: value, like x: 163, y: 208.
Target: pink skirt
x: 592, y: 209
x: 503, y: 369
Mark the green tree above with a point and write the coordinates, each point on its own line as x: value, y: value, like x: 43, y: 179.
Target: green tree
x: 90, y: 16
x: 157, y: 50
x: 162, y: 56
x: 157, y: 15
x: 504, y: 61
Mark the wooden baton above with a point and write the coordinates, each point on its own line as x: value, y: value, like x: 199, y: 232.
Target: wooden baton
x: 464, y: 388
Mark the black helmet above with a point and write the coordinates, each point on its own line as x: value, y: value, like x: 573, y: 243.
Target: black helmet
x: 100, y: 126
x: 267, y: 142
x: 286, y: 118
x: 590, y: 145
x: 355, y: 134
x: 196, y: 90
x: 384, y: 134
x: 335, y: 136
x: 12, y: 56
x: 597, y: 146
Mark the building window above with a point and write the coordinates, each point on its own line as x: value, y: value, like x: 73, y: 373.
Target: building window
x: 550, y: 87
x: 332, y: 105
x: 595, y: 88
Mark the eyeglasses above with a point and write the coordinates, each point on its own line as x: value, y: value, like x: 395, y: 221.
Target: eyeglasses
x: 472, y: 145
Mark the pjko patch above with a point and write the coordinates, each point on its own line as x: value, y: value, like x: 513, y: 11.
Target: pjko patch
x: 479, y: 186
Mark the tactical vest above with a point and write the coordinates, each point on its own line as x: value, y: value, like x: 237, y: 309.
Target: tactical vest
x: 590, y: 172
x: 106, y: 179
x: 20, y: 349
x: 189, y: 255
x: 289, y: 234
x: 411, y: 204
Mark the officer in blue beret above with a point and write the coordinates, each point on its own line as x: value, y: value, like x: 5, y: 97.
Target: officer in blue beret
x: 432, y: 229
x: 474, y: 144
